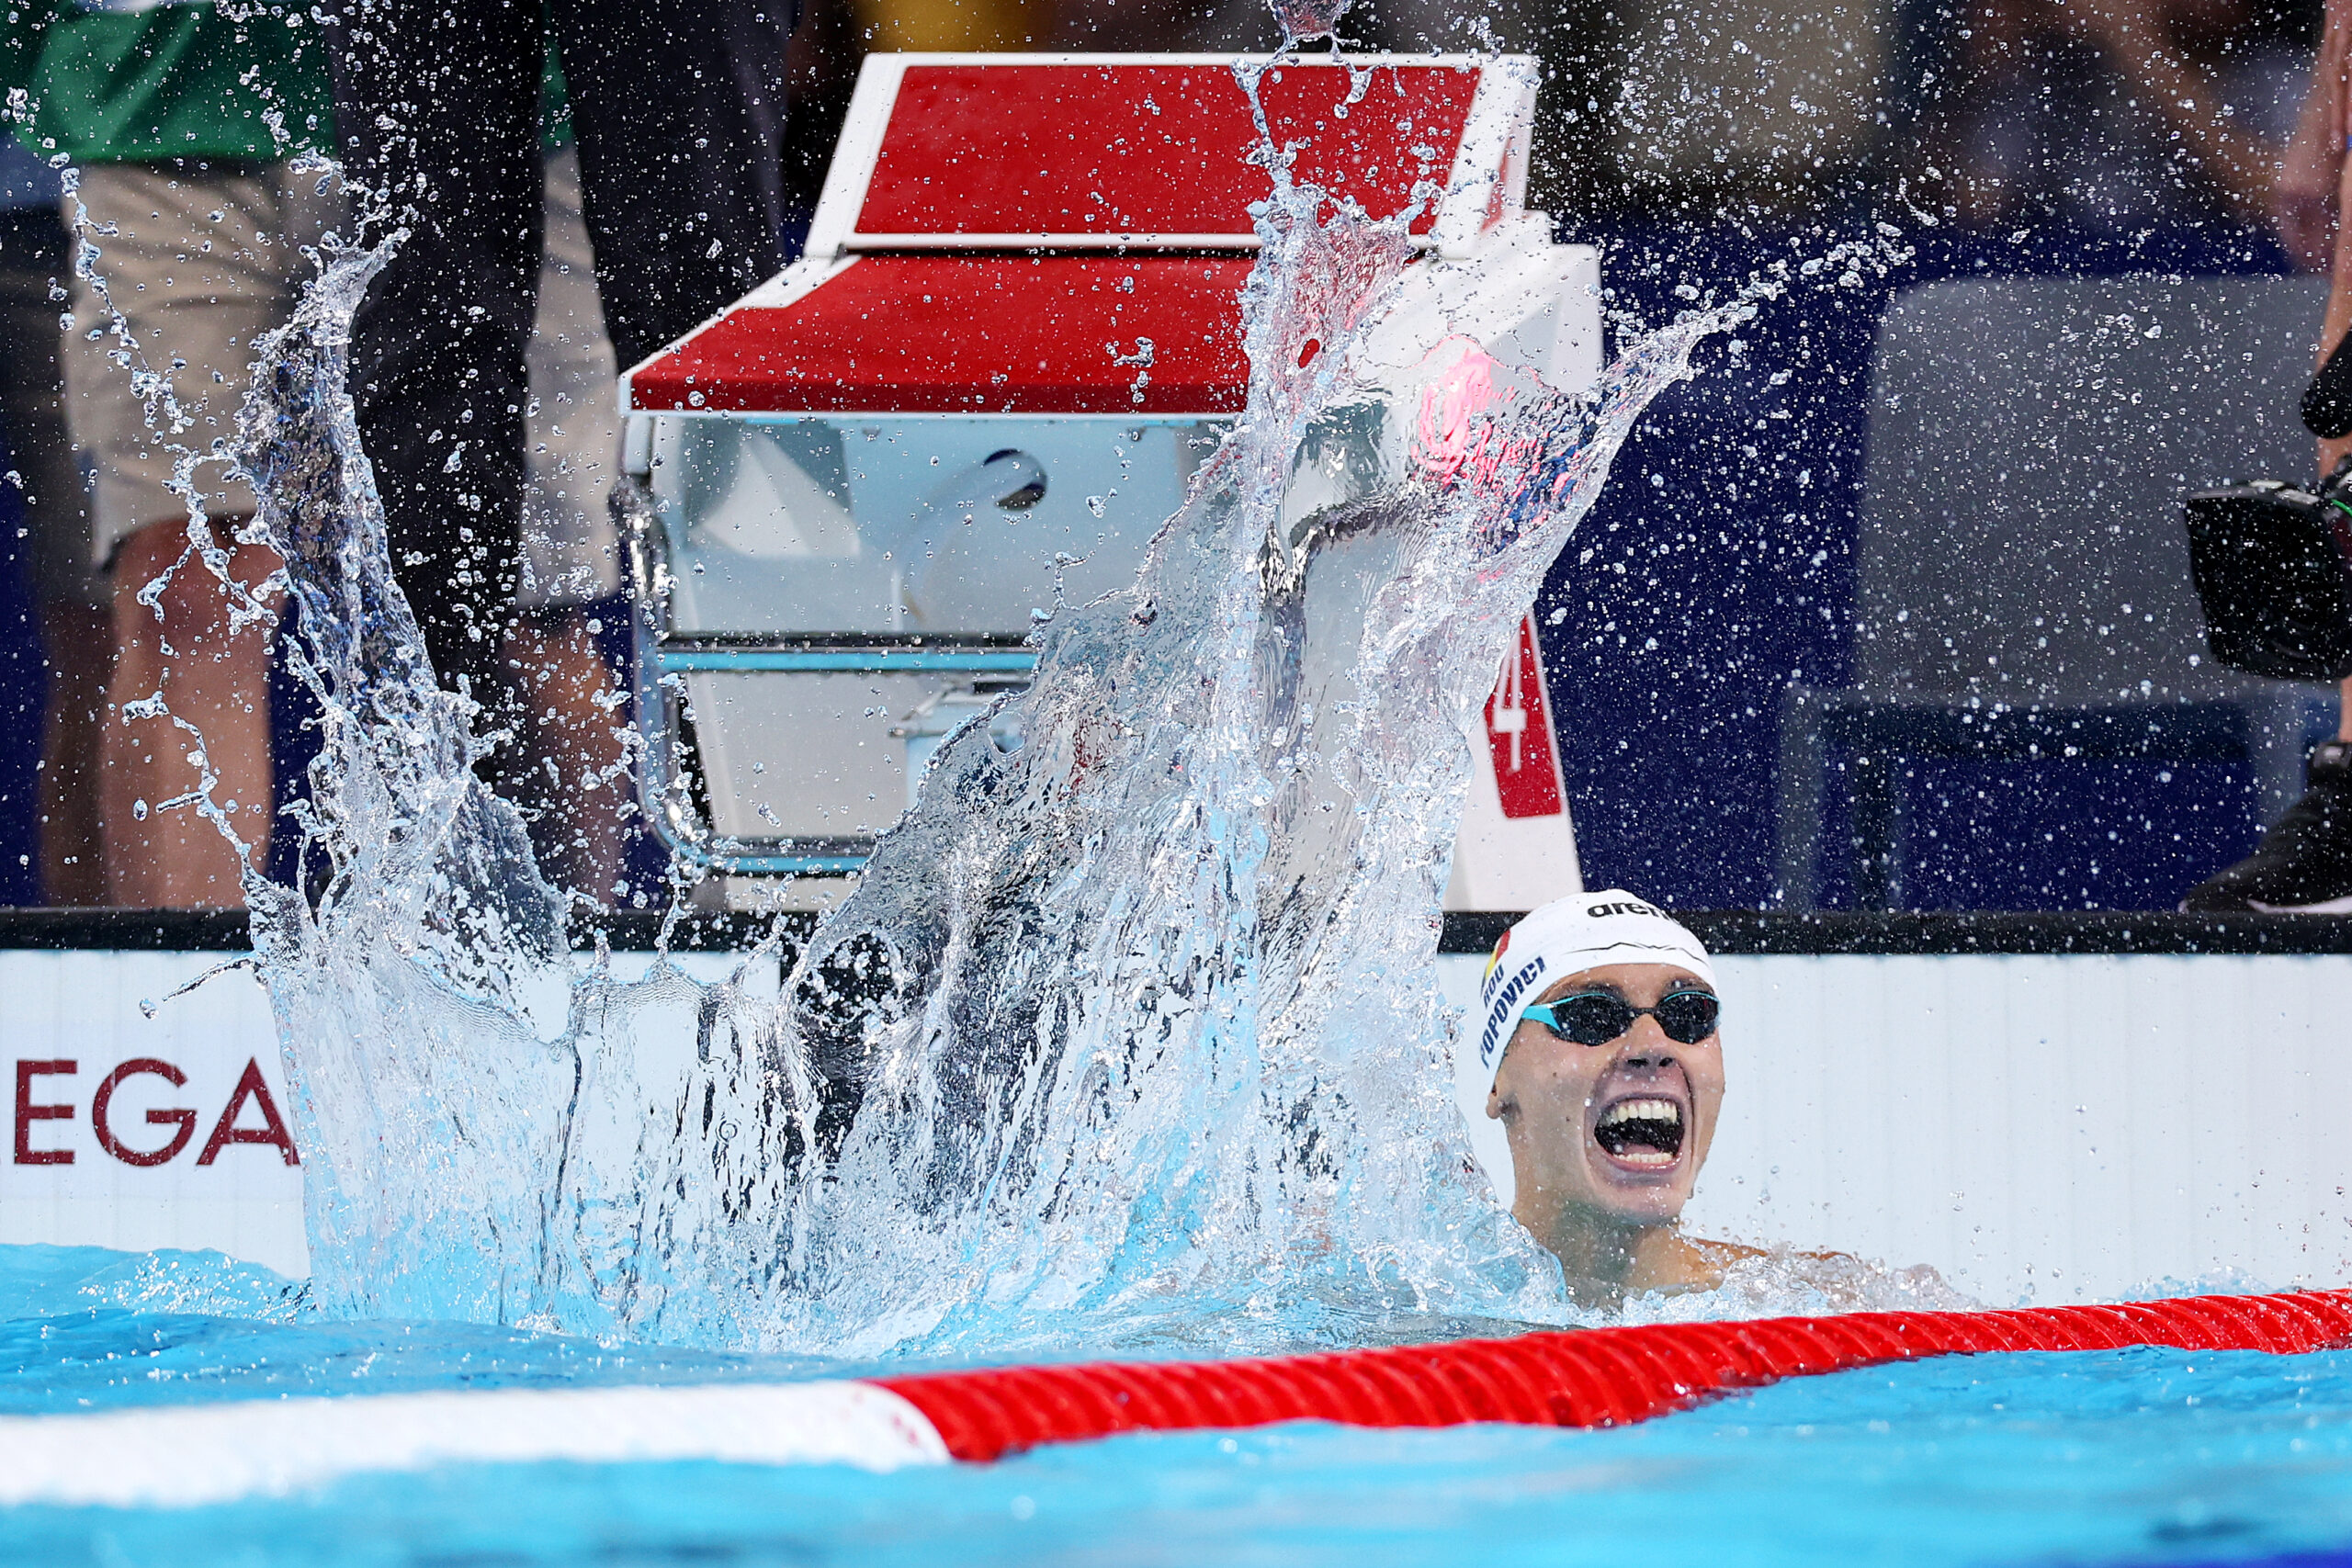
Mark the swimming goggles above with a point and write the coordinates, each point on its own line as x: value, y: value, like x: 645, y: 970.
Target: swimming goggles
x: 1595, y: 1017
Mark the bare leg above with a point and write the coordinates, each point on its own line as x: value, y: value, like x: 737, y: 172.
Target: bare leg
x: 177, y: 859
x: 74, y: 638
x: 564, y: 689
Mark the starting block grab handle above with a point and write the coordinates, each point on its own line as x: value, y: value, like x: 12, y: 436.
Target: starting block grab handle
x: 797, y: 656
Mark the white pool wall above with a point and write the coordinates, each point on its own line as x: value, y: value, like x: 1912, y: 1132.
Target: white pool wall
x: 2049, y: 1129
x: 89, y: 1009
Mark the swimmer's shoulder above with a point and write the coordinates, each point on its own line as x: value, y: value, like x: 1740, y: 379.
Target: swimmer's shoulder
x: 1723, y: 1254
x: 1681, y: 1263
x: 1728, y: 1254
x: 1713, y: 1260
x: 1843, y: 1282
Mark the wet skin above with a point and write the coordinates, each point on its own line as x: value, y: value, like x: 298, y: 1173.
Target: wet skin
x: 1603, y: 1165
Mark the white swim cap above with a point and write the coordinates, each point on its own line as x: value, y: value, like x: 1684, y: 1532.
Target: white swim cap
x: 1581, y: 931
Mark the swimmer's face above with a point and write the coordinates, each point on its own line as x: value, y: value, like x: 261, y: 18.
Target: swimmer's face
x: 1623, y: 1127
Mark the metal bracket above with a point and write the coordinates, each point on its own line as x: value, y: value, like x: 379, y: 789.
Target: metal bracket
x: 665, y: 786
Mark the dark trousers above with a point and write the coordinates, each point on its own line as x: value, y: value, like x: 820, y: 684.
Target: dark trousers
x: 678, y: 107
x: 35, y: 258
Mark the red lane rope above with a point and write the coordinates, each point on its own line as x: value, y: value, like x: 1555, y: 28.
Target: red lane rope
x: 1594, y: 1376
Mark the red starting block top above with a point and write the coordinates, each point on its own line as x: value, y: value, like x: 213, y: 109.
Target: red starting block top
x: 1158, y: 154
x: 1026, y: 169
x: 1040, y: 334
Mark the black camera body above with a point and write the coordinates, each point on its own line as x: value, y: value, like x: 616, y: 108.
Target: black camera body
x: 2273, y: 564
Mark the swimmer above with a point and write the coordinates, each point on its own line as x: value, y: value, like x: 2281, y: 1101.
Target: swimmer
x: 1598, y: 1040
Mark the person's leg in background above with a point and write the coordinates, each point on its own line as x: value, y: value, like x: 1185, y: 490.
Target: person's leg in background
x: 215, y: 678
x: 570, y: 783
x: 75, y: 640
x: 2304, y: 861
x: 2338, y: 321
x: 680, y: 109
x: 680, y: 112
x: 438, y: 108
x: 201, y: 259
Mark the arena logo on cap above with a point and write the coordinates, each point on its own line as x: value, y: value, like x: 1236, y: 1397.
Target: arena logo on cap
x: 1601, y: 911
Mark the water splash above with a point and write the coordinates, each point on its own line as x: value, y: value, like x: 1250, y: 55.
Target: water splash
x: 1129, y: 1037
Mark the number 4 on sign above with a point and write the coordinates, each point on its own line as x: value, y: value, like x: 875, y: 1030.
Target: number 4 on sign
x: 1519, y: 732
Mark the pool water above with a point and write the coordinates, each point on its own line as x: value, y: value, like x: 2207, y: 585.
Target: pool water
x: 2126, y: 1457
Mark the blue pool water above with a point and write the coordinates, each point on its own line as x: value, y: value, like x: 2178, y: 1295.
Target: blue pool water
x: 2133, y: 1457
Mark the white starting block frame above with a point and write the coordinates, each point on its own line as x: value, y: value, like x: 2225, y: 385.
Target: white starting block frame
x: 1013, y: 336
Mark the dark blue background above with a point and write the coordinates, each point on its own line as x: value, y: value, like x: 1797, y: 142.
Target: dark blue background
x: 24, y: 686
x: 1714, y: 582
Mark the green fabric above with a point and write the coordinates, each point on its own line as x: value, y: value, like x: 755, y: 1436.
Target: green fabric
x: 555, y: 104
x: 171, y: 81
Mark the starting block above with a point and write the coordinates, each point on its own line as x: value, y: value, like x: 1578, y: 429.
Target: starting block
x: 1014, y: 335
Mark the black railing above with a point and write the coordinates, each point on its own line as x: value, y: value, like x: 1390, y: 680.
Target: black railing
x: 1727, y: 933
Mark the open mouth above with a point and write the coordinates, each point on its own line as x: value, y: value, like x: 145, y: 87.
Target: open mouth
x: 1643, y: 1131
